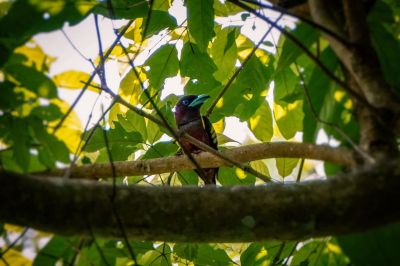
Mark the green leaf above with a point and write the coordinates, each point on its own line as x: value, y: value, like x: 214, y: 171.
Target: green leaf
x: 225, y: 9
x: 198, y: 66
x: 287, y: 87
x: 123, y: 9
x: 319, y: 252
x: 160, y: 149
x: 56, y: 148
x: 159, y: 20
x: 21, y: 143
x: 9, y: 99
x: 224, y: 53
x: 234, y: 176
x: 160, y: 256
x: 286, y: 166
x: 260, y: 167
x: 163, y: 64
x: 254, y: 255
x: 57, y: 248
x: 289, y: 118
x: 132, y: 122
x: 47, y: 113
x: 290, y: 51
x: 188, y: 177
x: 261, y: 123
x: 247, y: 92
x: 387, y: 47
x: 200, y: 16
x: 209, y: 255
x: 121, y: 143
x: 373, y: 247
x: 153, y: 131
x: 186, y: 251
x: 318, y: 88
x: 33, y: 80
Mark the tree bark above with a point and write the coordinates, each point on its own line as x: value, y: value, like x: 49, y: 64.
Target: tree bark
x: 241, y: 154
x: 343, y: 204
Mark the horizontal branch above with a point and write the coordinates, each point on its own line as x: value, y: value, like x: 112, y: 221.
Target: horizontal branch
x: 346, y: 203
x: 242, y: 154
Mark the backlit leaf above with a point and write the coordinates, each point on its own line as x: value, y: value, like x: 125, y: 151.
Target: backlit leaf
x: 200, y: 14
x: 73, y: 79
x: 286, y: 165
x: 163, y: 64
x: 261, y: 123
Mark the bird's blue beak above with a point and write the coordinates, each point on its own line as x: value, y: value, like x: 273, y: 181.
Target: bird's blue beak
x: 199, y: 100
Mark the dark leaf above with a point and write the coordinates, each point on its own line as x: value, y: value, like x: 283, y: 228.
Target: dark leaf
x: 200, y: 15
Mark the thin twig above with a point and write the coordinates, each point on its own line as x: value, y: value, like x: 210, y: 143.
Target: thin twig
x: 300, y: 170
x: 15, y: 242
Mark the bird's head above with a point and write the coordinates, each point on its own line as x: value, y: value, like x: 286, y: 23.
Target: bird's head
x: 188, y: 108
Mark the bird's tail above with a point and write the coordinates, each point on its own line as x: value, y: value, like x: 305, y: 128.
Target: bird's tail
x: 210, y: 175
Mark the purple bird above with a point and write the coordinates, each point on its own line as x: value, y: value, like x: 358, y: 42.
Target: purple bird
x: 189, y: 120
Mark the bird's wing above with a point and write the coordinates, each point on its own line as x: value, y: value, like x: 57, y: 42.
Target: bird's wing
x: 210, y: 132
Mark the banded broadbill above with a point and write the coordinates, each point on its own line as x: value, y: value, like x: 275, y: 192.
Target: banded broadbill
x: 190, y: 121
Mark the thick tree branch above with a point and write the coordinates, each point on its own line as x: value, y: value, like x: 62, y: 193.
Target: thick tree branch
x: 242, y: 154
x: 360, y: 59
x: 346, y: 203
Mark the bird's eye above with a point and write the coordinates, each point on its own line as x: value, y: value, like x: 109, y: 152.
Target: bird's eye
x: 185, y: 102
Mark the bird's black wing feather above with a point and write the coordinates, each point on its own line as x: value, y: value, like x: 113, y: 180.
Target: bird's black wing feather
x: 210, y: 132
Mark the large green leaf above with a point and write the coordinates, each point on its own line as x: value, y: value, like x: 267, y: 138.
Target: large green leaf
x: 121, y: 143
x: 234, y: 176
x: 186, y: 251
x: 132, y: 122
x: 319, y: 252
x: 209, y: 255
x: 57, y: 249
x: 33, y: 80
x: 289, y: 118
x: 163, y: 64
x: 318, y: 88
x: 198, y: 66
x: 160, y: 256
x: 306, y: 34
x: 269, y: 253
x: 285, y: 166
x: 200, y: 16
x: 224, y: 52
x: 385, y: 41
x: 19, y: 135
x: 55, y: 149
x: 261, y: 123
x: 10, y: 98
x: 247, y: 93
x: 159, y: 20
x: 287, y: 87
x: 123, y: 9
x: 160, y: 149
